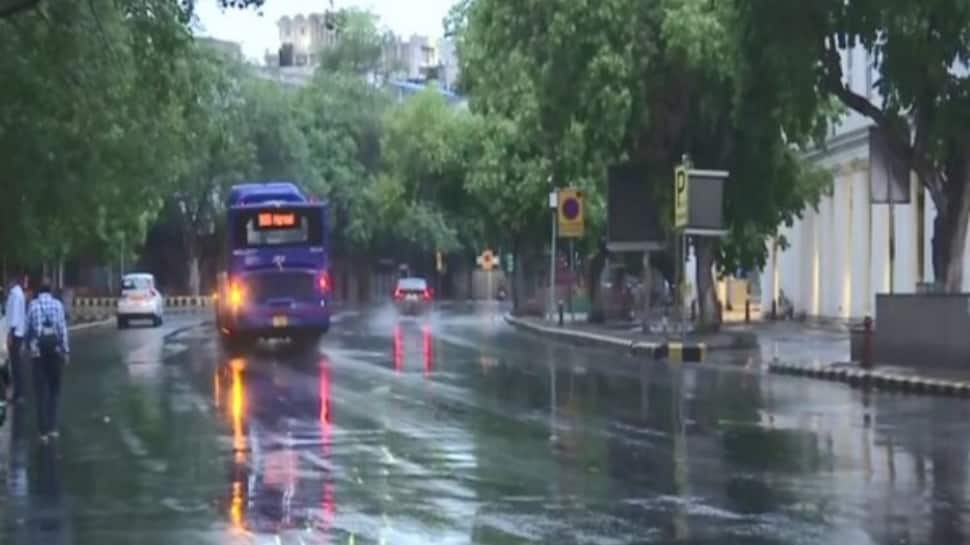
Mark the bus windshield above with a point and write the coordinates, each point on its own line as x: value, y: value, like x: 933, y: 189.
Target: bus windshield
x: 276, y: 227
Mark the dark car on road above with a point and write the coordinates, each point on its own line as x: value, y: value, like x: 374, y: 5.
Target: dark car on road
x: 412, y: 296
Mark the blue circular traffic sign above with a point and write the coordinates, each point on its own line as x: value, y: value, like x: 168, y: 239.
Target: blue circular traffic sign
x: 570, y: 208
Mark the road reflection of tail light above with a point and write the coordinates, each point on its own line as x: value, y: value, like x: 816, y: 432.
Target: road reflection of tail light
x: 428, y: 350
x: 328, y: 506
x: 216, y: 389
x: 238, y: 409
x: 236, y: 507
x: 325, y: 405
x: 398, y: 348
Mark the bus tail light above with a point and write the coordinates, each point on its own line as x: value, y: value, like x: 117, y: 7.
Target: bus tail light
x: 325, y: 282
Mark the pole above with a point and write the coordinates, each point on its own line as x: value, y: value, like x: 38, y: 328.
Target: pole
x: 552, y: 256
x: 488, y: 280
x: 892, y: 233
x: 677, y: 267
x: 572, y: 271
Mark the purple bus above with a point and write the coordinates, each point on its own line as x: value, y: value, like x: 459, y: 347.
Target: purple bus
x: 275, y: 280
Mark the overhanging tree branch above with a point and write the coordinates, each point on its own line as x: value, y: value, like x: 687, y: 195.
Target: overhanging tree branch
x: 895, y: 129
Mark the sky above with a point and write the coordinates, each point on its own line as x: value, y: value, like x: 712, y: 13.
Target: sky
x: 258, y: 33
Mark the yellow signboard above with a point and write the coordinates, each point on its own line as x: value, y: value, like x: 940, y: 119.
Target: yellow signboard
x: 571, y: 218
x: 487, y: 261
x: 680, y: 197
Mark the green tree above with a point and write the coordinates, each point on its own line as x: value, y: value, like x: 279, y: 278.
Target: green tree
x: 359, y: 46
x: 218, y: 149
x: 80, y: 80
x: 273, y: 125
x: 341, y: 117
x: 918, y: 51
x: 590, y: 85
x: 508, y: 180
x: 427, y: 150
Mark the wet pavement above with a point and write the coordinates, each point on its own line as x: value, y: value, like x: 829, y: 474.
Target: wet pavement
x: 457, y: 429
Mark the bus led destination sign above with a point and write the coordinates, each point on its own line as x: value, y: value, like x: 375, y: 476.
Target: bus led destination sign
x: 275, y: 220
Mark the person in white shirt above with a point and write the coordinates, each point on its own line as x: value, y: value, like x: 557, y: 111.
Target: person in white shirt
x: 16, y: 329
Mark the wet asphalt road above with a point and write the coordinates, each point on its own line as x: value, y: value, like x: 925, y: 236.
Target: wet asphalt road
x: 456, y: 429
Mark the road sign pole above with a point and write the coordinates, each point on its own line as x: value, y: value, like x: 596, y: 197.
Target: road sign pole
x: 553, y: 204
x: 488, y: 281
x: 572, y: 282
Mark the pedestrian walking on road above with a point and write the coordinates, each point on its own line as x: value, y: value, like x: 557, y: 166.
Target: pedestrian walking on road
x: 16, y: 311
x: 47, y: 339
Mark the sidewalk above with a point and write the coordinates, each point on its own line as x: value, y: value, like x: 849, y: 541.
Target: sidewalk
x: 802, y: 341
x: 816, y: 349
x: 628, y: 336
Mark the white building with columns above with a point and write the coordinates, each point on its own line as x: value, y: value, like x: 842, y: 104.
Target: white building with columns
x: 839, y: 255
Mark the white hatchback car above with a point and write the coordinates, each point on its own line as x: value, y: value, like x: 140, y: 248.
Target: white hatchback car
x: 139, y: 300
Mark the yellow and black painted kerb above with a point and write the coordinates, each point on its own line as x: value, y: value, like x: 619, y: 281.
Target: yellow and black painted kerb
x: 868, y: 379
x: 178, y: 301
x: 679, y: 351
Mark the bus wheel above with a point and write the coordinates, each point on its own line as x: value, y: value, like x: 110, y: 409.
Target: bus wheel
x: 307, y: 340
x: 233, y: 343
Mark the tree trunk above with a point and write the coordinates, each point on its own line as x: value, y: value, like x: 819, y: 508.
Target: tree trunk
x: 516, y: 276
x: 647, y: 295
x: 949, y: 238
x: 596, y: 312
x: 193, y: 269
x: 709, y: 319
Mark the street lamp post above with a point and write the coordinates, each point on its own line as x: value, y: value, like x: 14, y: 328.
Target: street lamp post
x: 553, y: 205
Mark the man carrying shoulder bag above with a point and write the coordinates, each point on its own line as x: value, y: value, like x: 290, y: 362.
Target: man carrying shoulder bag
x: 49, y: 351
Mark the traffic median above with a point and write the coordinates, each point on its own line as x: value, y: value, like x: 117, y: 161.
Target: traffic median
x: 633, y: 344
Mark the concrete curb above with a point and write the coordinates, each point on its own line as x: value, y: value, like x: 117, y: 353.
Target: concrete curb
x: 674, y: 351
x: 90, y: 325
x: 874, y: 379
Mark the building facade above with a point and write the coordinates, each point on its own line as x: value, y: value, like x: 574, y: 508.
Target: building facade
x: 448, y: 64
x: 305, y: 36
x: 843, y: 253
x: 414, y: 58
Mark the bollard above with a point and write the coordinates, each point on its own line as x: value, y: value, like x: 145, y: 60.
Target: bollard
x: 774, y: 309
x: 693, y: 310
x: 867, y: 343
x: 747, y: 311
x: 560, y: 313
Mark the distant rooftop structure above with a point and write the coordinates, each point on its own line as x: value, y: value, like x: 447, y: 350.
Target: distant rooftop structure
x: 303, y: 36
x: 406, y: 88
x: 299, y: 76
